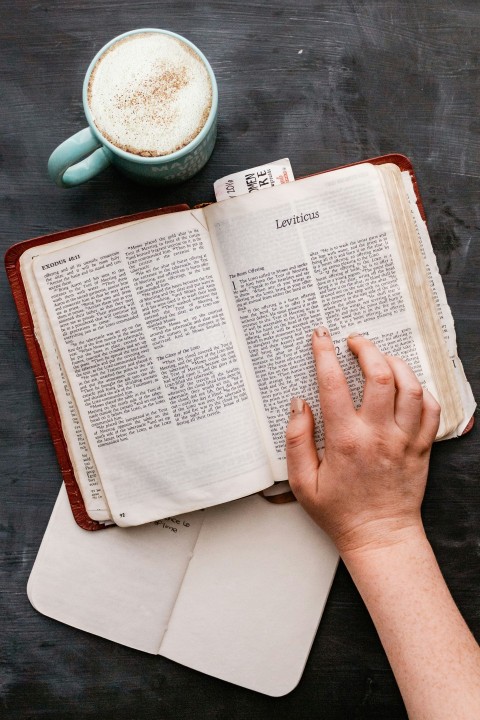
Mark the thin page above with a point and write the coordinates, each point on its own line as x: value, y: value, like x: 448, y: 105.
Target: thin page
x: 142, y: 329
x: 80, y: 456
x: 442, y: 308
x: 422, y: 298
x: 320, y: 251
x: 84, y: 468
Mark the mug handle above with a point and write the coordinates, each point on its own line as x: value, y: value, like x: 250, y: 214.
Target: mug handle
x: 77, y: 159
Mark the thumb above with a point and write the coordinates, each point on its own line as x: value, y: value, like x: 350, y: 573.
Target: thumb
x: 302, y: 458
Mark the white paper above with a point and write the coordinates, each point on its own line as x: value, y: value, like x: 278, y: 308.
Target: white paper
x: 237, y: 594
x: 118, y: 583
x: 252, y: 598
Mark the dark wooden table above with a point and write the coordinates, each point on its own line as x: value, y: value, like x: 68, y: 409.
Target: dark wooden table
x: 324, y: 83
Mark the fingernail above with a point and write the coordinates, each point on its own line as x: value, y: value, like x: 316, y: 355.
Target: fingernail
x: 321, y: 331
x: 297, y: 406
x: 354, y: 334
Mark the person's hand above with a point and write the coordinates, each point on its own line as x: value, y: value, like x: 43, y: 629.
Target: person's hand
x: 366, y: 493
x: 367, y: 489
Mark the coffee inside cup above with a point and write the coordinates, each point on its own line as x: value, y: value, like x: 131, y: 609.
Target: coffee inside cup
x: 150, y: 94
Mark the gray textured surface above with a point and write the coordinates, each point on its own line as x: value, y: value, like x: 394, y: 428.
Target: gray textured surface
x: 323, y: 83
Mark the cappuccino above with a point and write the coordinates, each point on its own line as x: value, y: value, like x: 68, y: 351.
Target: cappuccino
x: 150, y: 94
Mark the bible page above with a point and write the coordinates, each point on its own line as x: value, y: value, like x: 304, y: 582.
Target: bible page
x: 84, y: 468
x: 79, y: 453
x: 142, y: 329
x: 320, y: 251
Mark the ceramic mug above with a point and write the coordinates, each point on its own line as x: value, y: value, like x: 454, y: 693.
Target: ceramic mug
x: 88, y: 152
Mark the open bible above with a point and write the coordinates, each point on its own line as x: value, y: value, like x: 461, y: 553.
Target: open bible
x: 169, y: 345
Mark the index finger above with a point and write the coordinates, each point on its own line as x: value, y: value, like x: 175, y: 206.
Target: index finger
x: 335, y: 400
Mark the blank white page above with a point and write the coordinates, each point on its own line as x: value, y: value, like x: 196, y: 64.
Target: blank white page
x: 119, y: 583
x: 252, y: 598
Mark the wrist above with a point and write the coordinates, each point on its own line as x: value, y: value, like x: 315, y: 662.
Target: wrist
x: 398, y: 563
x: 379, y: 539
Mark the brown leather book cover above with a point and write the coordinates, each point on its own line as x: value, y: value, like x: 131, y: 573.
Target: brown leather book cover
x: 12, y: 264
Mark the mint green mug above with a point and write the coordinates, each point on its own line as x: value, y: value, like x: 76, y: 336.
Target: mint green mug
x: 88, y: 152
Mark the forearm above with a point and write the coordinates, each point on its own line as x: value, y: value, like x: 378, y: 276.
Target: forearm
x: 434, y: 657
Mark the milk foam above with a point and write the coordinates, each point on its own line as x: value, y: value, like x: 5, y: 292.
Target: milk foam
x: 150, y: 94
